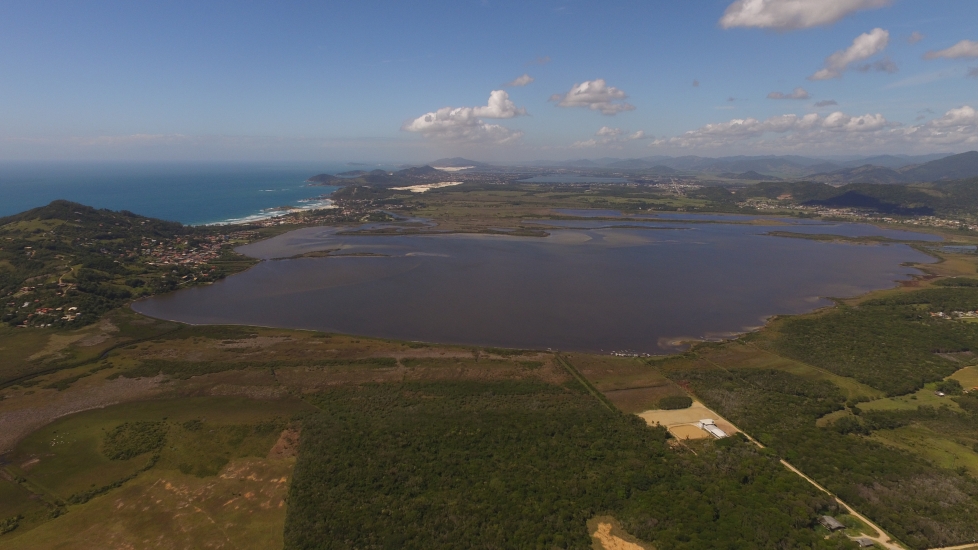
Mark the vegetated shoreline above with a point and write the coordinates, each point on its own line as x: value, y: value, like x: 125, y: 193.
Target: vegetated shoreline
x: 678, y: 344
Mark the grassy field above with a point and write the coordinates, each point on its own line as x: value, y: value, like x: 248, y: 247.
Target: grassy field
x: 65, y: 464
x: 631, y: 384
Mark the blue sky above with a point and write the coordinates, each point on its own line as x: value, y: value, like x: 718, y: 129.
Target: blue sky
x: 339, y: 80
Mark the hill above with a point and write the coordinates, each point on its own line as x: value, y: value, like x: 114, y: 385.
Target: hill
x: 65, y: 264
x: 866, y: 173
x: 457, y: 162
x: 750, y: 176
x: 951, y: 167
x: 382, y: 178
x: 951, y: 198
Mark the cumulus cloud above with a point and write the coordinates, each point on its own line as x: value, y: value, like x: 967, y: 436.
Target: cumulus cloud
x: 882, y: 66
x: 595, y: 95
x: 965, y: 48
x: 521, y: 80
x: 826, y: 103
x: 915, y: 37
x: 836, y: 131
x: 466, y: 124
x: 798, y: 93
x: 865, y: 45
x: 792, y: 14
x: 610, y: 137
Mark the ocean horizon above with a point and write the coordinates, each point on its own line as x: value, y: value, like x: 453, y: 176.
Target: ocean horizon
x: 194, y: 193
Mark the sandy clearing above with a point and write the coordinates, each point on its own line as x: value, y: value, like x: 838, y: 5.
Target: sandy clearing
x: 612, y: 542
x: 688, y: 431
x: 696, y: 412
x: 424, y: 188
x: 681, y: 422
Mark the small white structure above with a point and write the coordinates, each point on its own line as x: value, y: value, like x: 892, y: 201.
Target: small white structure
x: 710, y: 427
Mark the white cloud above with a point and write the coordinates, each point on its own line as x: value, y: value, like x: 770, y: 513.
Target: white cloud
x: 965, y: 48
x: 865, y: 45
x: 610, y: 137
x: 595, y: 95
x: 798, y: 93
x: 792, y: 14
x: 882, y: 66
x: 915, y: 36
x: 521, y: 80
x: 837, y: 131
x: 465, y: 124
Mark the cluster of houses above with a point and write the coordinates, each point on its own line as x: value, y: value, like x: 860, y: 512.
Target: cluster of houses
x: 857, y: 215
x: 165, y: 252
x: 955, y: 315
x: 834, y: 525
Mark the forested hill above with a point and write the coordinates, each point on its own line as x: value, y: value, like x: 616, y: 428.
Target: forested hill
x: 951, y: 198
x: 65, y: 264
x: 81, y: 219
x: 382, y: 178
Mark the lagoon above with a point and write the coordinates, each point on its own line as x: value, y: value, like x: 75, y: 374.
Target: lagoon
x: 643, y: 287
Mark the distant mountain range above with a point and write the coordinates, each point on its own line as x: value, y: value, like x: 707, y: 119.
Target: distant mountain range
x: 953, y: 167
x: 779, y: 166
x: 883, y: 169
x: 457, y: 162
x: 874, y: 169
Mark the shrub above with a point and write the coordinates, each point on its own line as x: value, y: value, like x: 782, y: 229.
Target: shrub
x: 133, y: 439
x: 673, y: 402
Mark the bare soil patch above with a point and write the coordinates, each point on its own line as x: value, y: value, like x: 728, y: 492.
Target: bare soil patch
x: 607, y: 534
x: 686, y: 417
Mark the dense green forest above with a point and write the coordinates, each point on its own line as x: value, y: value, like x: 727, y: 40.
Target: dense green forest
x: 524, y: 464
x: 890, y: 344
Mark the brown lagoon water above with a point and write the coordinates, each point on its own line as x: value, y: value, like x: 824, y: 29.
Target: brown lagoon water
x: 595, y: 285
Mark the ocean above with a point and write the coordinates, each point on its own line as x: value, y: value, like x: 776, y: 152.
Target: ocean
x: 191, y: 193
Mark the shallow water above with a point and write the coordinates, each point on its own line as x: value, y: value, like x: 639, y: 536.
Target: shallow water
x: 588, y: 289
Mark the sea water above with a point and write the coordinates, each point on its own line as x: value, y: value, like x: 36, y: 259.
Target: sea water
x: 191, y: 193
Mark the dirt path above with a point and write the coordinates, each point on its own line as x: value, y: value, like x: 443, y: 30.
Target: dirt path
x: 882, y: 539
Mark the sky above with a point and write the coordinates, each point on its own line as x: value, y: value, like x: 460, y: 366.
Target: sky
x: 491, y: 80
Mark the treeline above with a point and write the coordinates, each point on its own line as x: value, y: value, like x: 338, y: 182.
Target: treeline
x: 525, y: 465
